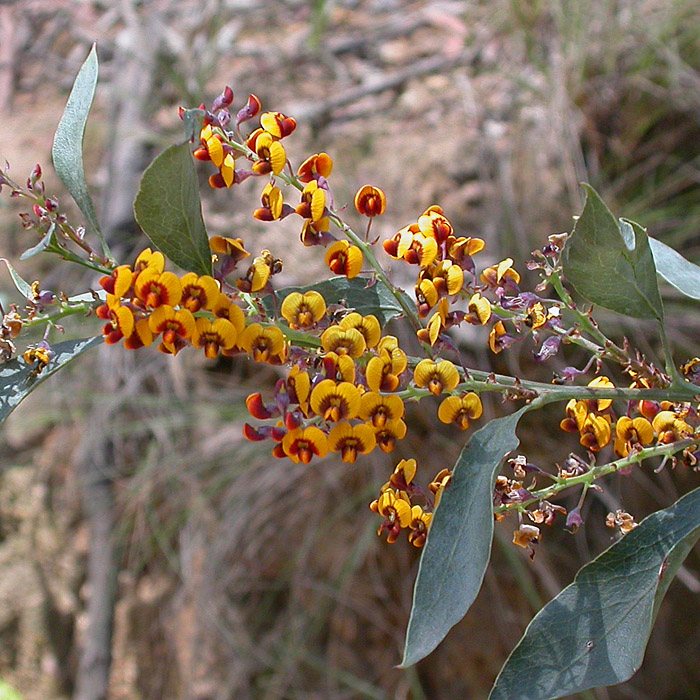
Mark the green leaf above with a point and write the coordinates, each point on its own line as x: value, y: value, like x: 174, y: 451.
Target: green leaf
x: 17, y: 379
x: 458, y: 548
x: 610, y: 263
x: 352, y: 293
x: 595, y: 631
x: 43, y: 244
x: 67, y: 149
x: 192, y: 120
x: 24, y: 288
x: 675, y: 269
x: 169, y: 211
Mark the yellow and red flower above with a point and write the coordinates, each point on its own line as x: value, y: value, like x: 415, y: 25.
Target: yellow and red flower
x: 174, y: 327
x: 351, y: 440
x: 156, y: 289
x: 199, y: 293
x: 343, y: 341
x: 219, y: 334
x: 315, y: 166
x: 460, y: 409
x: 264, y: 344
x: 302, y: 444
x: 303, y: 311
x: 344, y: 259
x: 370, y: 201
x: 436, y: 376
x: 335, y: 402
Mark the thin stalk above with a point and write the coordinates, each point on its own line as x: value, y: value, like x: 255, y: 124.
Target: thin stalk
x: 561, y: 484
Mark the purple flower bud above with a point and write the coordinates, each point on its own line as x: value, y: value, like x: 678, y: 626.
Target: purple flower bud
x: 548, y: 349
x: 574, y: 520
x: 223, y: 116
x: 223, y: 100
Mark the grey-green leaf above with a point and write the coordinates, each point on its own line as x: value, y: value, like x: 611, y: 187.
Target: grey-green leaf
x: 169, y: 210
x: 609, y: 262
x: 675, y: 269
x: 18, y: 380
x: 43, y: 244
x: 458, y: 548
x: 595, y: 631
x: 67, y: 149
x: 352, y: 293
x: 23, y: 287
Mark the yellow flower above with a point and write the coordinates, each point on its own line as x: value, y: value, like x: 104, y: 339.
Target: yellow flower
x: 460, y: 409
x: 350, y: 440
x: 419, y: 525
x: 389, y: 433
x: 214, y: 335
x: 380, y: 409
x: 199, y: 292
x: 344, y: 259
x: 303, y: 311
x: 367, y: 325
x: 435, y: 225
x: 155, y: 289
x: 437, y: 376
x: 264, y: 344
x: 335, y: 402
x: 602, y: 383
x: 596, y: 432
x: 343, y: 341
x: 370, y: 201
x: 630, y: 432
x: 301, y: 444
x: 173, y: 326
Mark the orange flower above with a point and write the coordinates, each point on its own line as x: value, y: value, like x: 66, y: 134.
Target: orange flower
x: 142, y: 336
x: 496, y: 275
x: 380, y: 409
x: 315, y: 166
x: 395, y: 507
x: 301, y: 444
x: 230, y: 247
x: 344, y: 259
x: 149, y: 258
x: 382, y: 371
x: 303, y: 311
x: 119, y: 282
x: 213, y: 335
x: 175, y: 327
x: 199, y: 292
x: 313, y: 202
x: 343, y: 341
x: 419, y: 525
x: 367, y: 325
x: 335, y: 402
x: 277, y: 124
x: 460, y: 409
x: 264, y: 344
x: 155, y: 289
x: 437, y: 376
x: 350, y: 440
x: 389, y: 433
x: 370, y: 201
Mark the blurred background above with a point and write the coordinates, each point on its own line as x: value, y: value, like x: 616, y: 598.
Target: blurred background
x: 141, y: 539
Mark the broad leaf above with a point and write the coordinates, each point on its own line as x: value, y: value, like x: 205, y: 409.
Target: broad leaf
x: 18, y: 379
x: 352, y: 293
x: 458, y: 548
x: 24, y: 288
x: 169, y: 211
x: 595, y: 631
x: 610, y: 263
x: 675, y: 269
x: 67, y: 149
